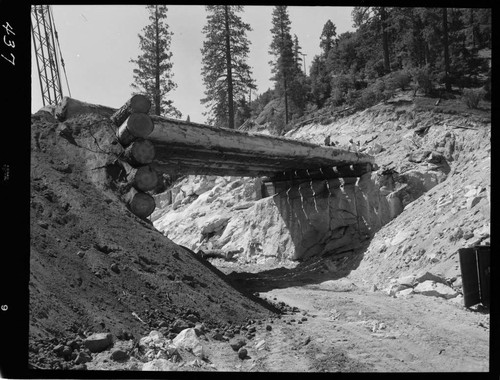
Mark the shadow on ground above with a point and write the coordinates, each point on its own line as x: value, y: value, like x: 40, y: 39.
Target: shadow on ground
x: 312, y: 271
x: 235, y: 284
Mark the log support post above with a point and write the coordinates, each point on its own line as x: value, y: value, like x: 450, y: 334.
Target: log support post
x: 134, y: 125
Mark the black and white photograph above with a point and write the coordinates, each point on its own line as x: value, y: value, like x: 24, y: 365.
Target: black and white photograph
x: 248, y: 188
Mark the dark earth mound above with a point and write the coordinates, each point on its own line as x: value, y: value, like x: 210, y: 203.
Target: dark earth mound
x: 96, y: 267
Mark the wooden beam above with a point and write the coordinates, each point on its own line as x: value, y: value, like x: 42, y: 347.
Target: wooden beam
x: 173, y: 132
x: 197, y: 161
x: 187, y: 146
x: 200, y: 167
x: 213, y: 159
x: 276, y: 163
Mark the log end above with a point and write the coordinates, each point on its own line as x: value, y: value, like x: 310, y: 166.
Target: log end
x: 142, y: 205
x: 140, y: 103
x: 145, y: 179
x: 142, y: 152
x: 140, y: 124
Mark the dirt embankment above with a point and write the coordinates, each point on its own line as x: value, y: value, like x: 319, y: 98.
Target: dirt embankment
x: 94, y: 266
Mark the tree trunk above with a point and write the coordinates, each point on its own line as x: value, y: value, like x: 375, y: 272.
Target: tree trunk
x: 283, y: 69
x: 137, y: 125
x: 157, y: 96
x: 473, y: 28
x: 138, y: 103
x: 139, y: 203
x: 446, y: 51
x: 230, y: 105
x: 385, y: 40
x: 286, y: 99
x: 140, y: 152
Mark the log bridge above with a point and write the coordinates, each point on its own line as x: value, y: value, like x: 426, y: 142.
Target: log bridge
x: 155, y: 145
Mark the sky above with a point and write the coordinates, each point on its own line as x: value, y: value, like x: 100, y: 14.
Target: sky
x: 97, y: 43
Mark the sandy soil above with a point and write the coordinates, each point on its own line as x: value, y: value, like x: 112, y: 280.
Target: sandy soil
x: 374, y: 332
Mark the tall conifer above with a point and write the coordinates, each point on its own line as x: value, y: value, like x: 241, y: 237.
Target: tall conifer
x: 153, y: 74
x: 226, y: 75
x: 283, y: 66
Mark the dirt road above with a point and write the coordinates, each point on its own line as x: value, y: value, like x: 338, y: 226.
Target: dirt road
x: 349, y: 327
x: 380, y: 333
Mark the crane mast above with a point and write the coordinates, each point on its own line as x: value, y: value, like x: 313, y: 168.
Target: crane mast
x: 42, y: 30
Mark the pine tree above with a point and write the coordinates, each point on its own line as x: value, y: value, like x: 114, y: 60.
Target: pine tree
x: 299, y: 86
x: 297, y: 52
x: 377, y: 18
x: 283, y: 67
x: 226, y: 75
x: 153, y: 74
x: 327, y: 38
x: 319, y: 74
x: 320, y: 81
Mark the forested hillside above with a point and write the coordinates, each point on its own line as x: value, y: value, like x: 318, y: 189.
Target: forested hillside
x: 439, y: 52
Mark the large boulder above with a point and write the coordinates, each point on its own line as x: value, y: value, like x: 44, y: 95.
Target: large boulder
x: 154, y: 339
x: 98, y: 342
x: 435, y: 289
x: 237, y: 343
x: 188, y: 340
x: 423, y: 276
x: 213, y: 224
x: 421, y: 180
x: 83, y: 357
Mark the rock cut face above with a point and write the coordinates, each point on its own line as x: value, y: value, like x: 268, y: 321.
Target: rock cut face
x: 309, y: 219
x: 331, y: 215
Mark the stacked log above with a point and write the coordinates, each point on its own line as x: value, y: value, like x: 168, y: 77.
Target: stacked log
x: 134, y: 125
x: 138, y: 103
x: 137, y: 125
x: 140, y: 203
x: 143, y: 178
x: 140, y: 152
